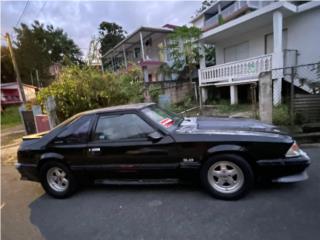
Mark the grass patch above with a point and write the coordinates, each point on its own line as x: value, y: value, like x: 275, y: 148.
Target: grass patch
x: 182, y: 106
x: 10, y: 117
x: 227, y: 108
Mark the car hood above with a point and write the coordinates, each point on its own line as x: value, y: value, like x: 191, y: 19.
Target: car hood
x: 35, y: 136
x: 207, y: 124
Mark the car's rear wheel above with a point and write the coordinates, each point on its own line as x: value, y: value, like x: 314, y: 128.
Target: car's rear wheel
x: 57, y: 180
x: 227, y: 176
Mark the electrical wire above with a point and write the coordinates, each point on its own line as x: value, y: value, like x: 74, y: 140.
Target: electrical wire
x: 25, y: 7
x: 43, y: 5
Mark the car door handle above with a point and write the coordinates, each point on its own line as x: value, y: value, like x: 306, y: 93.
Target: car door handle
x: 94, y: 149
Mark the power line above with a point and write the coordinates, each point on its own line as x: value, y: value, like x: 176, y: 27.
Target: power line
x: 43, y: 5
x: 25, y: 7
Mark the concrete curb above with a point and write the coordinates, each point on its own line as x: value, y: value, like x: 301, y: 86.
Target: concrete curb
x: 307, y: 137
x: 311, y: 145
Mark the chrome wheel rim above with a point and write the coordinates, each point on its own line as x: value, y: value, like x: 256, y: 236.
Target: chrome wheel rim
x: 225, y: 177
x: 57, y: 179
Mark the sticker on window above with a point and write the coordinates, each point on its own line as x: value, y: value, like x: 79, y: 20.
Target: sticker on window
x: 167, y: 122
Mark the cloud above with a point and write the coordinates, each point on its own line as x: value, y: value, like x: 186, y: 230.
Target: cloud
x: 81, y: 19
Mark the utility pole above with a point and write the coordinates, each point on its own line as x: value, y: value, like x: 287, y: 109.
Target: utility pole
x: 31, y: 77
x: 16, y: 69
x: 37, y: 77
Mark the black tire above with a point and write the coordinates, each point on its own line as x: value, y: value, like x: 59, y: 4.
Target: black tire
x: 72, y: 182
x: 242, y: 166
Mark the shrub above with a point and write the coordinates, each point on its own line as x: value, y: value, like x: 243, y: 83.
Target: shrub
x: 280, y: 115
x: 78, y: 89
x: 186, y: 104
x: 155, y: 90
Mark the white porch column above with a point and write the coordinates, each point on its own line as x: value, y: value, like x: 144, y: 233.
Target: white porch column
x: 112, y: 63
x: 202, y: 63
x: 124, y: 57
x: 277, y: 56
x: 142, y: 47
x: 145, y: 74
x: 234, y: 94
x: 204, y: 94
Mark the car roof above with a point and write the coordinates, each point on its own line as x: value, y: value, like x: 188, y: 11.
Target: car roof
x: 133, y: 106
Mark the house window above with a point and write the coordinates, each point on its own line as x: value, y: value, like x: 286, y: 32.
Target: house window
x: 236, y: 52
x: 137, y: 53
x: 150, y: 77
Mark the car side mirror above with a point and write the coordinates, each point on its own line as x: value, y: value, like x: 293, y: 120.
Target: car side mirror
x: 155, y: 136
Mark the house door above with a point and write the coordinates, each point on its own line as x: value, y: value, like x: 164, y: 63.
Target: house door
x: 269, y: 41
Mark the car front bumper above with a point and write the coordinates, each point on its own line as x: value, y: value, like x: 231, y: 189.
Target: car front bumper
x: 285, y: 170
x: 28, y: 171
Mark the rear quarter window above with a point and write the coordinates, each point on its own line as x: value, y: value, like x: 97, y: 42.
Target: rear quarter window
x: 77, y: 131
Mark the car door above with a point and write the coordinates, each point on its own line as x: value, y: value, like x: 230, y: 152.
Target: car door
x: 125, y: 145
x: 70, y: 145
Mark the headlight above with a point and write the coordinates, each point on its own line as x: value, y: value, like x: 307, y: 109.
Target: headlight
x: 294, y: 151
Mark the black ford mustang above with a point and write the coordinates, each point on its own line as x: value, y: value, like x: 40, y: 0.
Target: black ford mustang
x: 143, y: 143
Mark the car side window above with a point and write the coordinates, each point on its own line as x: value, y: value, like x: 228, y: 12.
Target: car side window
x: 77, y: 132
x: 121, y: 127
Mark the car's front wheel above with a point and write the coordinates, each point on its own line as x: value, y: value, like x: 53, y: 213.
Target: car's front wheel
x: 227, y: 176
x: 57, y: 180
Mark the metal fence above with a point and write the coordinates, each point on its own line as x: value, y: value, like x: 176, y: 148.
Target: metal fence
x: 298, y: 88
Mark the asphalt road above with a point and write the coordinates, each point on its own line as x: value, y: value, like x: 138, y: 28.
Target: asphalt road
x: 290, y: 211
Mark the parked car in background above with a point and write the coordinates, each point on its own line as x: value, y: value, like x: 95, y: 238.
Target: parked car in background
x: 144, y: 143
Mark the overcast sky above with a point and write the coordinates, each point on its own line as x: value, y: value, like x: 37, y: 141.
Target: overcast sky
x: 80, y: 19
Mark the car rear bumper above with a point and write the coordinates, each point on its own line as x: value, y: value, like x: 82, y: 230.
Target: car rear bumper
x: 28, y: 171
x: 291, y: 169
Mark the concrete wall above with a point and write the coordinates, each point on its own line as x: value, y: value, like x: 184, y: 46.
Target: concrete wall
x: 303, y: 35
x: 178, y: 92
x: 255, y: 39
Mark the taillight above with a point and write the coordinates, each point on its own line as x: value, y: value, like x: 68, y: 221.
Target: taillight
x: 294, y: 151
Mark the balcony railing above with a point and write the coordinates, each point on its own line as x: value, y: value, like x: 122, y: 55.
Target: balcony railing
x: 211, y: 21
x: 234, y: 10
x: 229, y: 73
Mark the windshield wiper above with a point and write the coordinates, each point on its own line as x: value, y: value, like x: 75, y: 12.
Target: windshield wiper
x: 180, y: 120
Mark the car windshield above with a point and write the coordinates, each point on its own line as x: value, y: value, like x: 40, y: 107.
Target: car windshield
x: 163, y: 117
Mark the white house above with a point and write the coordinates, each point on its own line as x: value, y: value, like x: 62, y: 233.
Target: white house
x: 93, y: 57
x: 146, y: 47
x: 251, y: 37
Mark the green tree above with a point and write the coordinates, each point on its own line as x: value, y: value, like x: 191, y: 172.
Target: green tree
x: 184, y: 48
x: 109, y: 35
x: 210, y: 55
x: 39, y: 46
x: 79, y: 89
x: 7, y: 72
